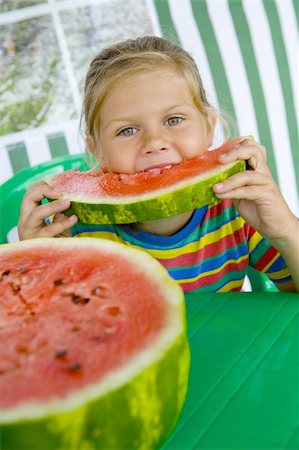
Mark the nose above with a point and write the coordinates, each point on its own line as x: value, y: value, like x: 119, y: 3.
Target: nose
x: 155, y: 142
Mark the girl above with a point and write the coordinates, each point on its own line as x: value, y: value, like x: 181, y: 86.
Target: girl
x: 145, y: 108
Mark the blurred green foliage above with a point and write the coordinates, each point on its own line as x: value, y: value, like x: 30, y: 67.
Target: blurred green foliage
x: 33, y: 85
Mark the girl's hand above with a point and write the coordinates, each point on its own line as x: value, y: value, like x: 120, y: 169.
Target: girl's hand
x: 255, y: 194
x: 33, y: 214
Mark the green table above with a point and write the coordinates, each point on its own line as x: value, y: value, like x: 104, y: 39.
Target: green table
x: 244, y: 380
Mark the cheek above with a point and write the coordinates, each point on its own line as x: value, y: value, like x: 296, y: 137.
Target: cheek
x: 101, y: 159
x: 193, y: 145
x: 103, y: 153
x: 118, y: 161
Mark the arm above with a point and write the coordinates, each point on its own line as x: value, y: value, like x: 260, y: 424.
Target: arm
x: 259, y: 201
x: 289, y: 250
x: 33, y: 214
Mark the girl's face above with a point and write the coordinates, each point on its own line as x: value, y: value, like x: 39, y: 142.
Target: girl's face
x: 149, y: 123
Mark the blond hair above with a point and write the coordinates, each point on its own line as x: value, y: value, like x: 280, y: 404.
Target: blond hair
x: 134, y: 56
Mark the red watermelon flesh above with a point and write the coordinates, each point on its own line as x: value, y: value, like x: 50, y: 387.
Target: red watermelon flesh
x: 98, y: 182
x: 67, y: 320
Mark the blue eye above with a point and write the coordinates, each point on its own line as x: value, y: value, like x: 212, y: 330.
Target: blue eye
x: 127, y: 131
x: 172, y: 121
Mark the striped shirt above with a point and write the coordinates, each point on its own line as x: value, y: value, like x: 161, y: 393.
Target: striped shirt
x: 210, y: 254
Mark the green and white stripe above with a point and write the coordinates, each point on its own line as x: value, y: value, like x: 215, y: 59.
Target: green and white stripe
x: 36, y: 146
x: 246, y: 52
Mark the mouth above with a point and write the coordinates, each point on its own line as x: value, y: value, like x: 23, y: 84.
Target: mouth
x: 159, y: 168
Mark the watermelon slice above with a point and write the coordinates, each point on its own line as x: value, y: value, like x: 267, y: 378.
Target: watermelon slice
x: 100, y: 197
x: 94, y: 352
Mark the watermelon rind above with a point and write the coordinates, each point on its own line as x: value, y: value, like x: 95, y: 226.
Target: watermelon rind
x: 166, y: 202
x: 135, y: 407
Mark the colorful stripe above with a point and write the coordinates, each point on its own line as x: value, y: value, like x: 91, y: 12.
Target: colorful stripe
x: 211, y: 254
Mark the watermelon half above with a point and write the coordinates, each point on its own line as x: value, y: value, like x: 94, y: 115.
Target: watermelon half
x: 94, y: 352
x: 98, y: 197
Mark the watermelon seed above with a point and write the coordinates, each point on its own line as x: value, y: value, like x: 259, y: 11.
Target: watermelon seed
x: 100, y: 291
x: 58, y: 282
x: 21, y: 349
x: 74, y: 367
x: 15, y: 287
x: 75, y: 328
x: 5, y: 274
x: 61, y: 353
x: 113, y: 310
x: 77, y: 299
x: 42, y: 342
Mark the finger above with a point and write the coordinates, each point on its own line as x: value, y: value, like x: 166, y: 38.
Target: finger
x: 40, y: 188
x: 40, y: 213
x: 248, y: 185
x: 59, y: 217
x: 253, y: 153
x: 66, y: 233
x: 243, y: 151
x: 247, y: 178
x: 59, y: 228
x: 244, y: 192
x: 35, y: 194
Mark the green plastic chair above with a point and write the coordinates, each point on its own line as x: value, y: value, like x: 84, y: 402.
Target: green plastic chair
x: 13, y: 190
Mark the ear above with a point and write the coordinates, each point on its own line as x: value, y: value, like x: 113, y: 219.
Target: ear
x: 211, y: 123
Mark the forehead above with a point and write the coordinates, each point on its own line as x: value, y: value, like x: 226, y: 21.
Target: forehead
x: 148, y: 85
